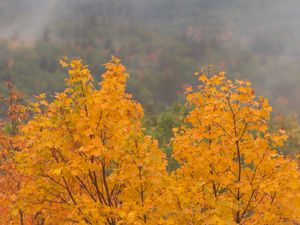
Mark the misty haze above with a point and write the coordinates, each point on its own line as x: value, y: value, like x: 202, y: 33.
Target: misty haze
x: 254, y: 40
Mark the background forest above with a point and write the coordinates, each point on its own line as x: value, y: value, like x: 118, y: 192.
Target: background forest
x: 162, y: 43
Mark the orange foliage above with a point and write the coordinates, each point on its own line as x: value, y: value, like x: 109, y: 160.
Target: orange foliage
x: 84, y: 158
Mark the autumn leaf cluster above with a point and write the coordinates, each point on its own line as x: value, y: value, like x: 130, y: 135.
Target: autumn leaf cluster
x: 85, y: 158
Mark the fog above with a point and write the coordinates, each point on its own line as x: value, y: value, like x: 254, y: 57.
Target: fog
x: 26, y: 19
x: 273, y: 24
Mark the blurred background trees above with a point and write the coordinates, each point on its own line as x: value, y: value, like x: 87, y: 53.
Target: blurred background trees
x: 162, y: 42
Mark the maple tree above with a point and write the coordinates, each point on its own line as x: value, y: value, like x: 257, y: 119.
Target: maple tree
x: 88, y: 157
x: 11, y: 180
x: 230, y: 170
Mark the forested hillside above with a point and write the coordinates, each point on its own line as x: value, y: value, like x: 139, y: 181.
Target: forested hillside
x: 162, y: 42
